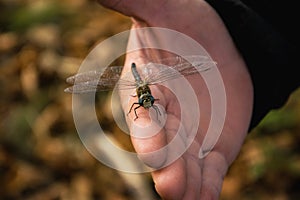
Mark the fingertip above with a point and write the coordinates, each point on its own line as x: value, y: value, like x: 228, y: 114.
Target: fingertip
x: 149, y: 141
x: 125, y: 7
x: 170, y: 182
x: 109, y: 3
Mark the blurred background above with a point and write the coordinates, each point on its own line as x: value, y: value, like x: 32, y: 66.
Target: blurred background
x: 42, y: 42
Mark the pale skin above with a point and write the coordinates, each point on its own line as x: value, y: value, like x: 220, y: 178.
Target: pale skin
x: 191, y: 178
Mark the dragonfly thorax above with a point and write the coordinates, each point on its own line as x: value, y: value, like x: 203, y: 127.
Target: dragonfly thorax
x: 145, y: 97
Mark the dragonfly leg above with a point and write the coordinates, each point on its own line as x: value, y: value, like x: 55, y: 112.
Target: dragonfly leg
x: 157, y: 111
x: 134, y: 109
x: 135, y: 112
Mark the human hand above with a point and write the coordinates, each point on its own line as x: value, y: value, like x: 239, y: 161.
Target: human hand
x: 189, y: 177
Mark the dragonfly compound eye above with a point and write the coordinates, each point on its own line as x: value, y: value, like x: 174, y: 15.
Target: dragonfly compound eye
x: 146, y: 100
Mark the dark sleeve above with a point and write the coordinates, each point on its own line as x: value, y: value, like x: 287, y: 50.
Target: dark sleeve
x: 268, y: 45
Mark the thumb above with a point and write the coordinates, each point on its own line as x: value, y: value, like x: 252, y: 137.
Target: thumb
x: 129, y: 8
x: 138, y: 9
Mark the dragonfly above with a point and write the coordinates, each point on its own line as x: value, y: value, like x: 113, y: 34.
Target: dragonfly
x: 152, y: 73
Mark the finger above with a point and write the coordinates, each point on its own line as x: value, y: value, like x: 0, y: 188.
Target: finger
x: 193, y: 184
x: 170, y: 182
x: 118, y: 5
x: 130, y: 8
x: 139, y: 9
x: 193, y: 168
x: 147, y: 134
x: 213, y: 172
x: 149, y: 141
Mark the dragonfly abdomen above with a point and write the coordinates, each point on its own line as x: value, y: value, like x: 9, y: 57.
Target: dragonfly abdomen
x: 135, y: 74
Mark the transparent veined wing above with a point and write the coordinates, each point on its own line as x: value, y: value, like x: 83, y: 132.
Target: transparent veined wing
x: 174, y: 67
x: 152, y: 73
x: 92, y: 81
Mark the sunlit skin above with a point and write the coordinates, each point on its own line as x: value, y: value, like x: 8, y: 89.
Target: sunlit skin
x: 190, y: 178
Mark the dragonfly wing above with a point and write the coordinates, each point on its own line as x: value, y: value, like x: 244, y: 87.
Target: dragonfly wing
x: 161, y: 71
x: 92, y: 81
x: 174, y: 67
x: 101, y: 85
x: 110, y: 72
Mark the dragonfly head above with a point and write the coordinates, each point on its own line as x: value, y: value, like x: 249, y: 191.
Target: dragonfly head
x: 146, y: 100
